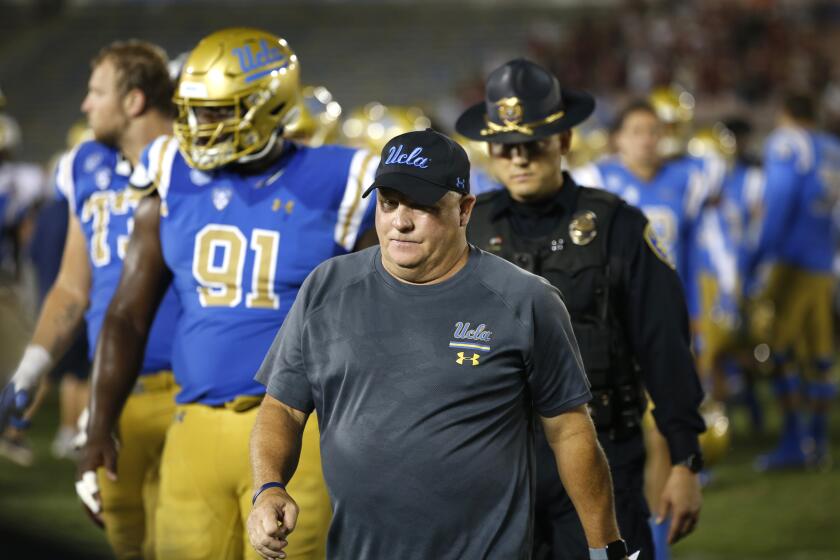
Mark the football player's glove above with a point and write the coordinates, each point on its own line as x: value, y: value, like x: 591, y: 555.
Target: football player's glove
x: 13, y: 401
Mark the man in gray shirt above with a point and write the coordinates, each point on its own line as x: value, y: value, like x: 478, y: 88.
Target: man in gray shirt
x: 426, y: 360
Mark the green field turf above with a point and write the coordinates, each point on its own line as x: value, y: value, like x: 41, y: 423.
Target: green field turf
x: 790, y: 516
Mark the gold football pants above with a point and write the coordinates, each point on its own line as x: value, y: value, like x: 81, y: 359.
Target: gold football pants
x: 129, y: 503
x: 717, y: 335
x: 803, y: 326
x: 206, y: 489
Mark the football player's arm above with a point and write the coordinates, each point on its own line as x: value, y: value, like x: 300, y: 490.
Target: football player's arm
x: 655, y: 317
x: 779, y: 197
x: 585, y: 473
x: 275, y: 450
x: 60, y: 318
x: 122, y: 341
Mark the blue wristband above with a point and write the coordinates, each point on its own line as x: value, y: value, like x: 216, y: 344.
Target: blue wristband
x: 265, y: 487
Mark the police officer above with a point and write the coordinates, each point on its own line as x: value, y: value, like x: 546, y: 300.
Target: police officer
x: 624, y: 297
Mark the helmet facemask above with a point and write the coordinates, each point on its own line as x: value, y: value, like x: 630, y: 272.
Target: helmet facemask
x: 240, y: 127
x: 238, y: 90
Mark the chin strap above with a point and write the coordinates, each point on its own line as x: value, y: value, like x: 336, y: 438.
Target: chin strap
x: 269, y: 146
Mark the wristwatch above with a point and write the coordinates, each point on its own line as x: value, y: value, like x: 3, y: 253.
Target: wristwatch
x: 616, y: 550
x: 693, y: 462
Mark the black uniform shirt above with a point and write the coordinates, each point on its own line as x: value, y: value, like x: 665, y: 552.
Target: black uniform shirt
x: 651, y: 303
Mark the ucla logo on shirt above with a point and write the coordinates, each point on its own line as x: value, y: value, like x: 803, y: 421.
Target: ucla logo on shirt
x: 221, y: 197
x: 398, y: 156
x: 474, y: 339
x: 92, y: 162
x: 102, y: 178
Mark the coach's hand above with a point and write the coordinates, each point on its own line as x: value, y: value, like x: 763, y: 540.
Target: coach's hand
x: 272, y: 518
x: 95, y: 453
x: 681, y: 499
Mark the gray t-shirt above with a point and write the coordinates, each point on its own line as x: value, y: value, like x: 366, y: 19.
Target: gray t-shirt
x: 425, y: 397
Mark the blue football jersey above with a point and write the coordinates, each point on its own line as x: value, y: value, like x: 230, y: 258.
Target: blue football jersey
x: 672, y: 202
x: 94, y: 180
x: 240, y: 246
x: 22, y: 185
x: 802, y: 170
x: 714, y: 254
x: 742, y: 208
x: 482, y: 181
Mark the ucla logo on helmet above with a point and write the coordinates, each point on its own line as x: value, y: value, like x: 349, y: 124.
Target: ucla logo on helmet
x: 251, y: 60
x: 397, y: 156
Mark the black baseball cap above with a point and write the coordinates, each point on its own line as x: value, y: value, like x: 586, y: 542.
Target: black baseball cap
x: 423, y: 165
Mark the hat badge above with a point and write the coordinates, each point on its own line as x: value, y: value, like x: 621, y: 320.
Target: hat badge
x: 510, y: 110
x: 583, y: 227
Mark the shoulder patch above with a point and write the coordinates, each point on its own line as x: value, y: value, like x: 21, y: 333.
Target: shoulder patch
x: 653, y: 243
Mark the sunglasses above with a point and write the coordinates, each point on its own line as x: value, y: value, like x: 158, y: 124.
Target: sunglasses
x: 528, y: 150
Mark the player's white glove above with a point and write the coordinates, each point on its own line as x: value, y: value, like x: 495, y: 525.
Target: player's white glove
x: 16, y: 396
x: 80, y: 439
x: 87, y: 489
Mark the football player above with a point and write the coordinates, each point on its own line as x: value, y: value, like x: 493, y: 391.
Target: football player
x: 802, y: 167
x: 22, y: 188
x: 671, y: 191
x: 236, y: 219
x: 128, y: 104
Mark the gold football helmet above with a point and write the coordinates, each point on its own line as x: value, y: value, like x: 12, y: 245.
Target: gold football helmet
x: 716, y: 140
x: 237, y: 89
x: 675, y: 108
x: 374, y: 124
x: 588, y: 144
x: 318, y: 119
x: 78, y: 132
x: 715, y: 441
x: 9, y: 133
x: 477, y: 151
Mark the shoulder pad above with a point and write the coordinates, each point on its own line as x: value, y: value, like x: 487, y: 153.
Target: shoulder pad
x: 65, y: 172
x: 352, y: 207
x: 791, y: 145
x: 154, y: 170
x: 588, y: 175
